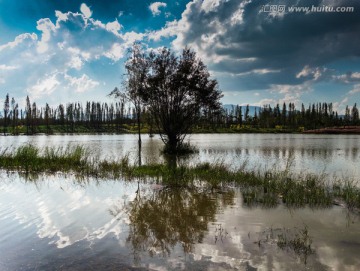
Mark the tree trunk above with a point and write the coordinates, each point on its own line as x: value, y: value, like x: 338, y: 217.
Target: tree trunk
x: 139, y: 133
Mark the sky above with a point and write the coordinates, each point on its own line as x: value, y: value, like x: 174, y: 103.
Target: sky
x: 260, y: 51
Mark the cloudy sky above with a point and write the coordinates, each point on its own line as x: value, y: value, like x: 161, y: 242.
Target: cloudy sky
x: 69, y: 50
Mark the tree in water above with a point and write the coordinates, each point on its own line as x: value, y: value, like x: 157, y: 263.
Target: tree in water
x: 134, y: 84
x: 178, y: 91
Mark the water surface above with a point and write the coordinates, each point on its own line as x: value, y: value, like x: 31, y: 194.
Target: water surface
x: 330, y: 154
x: 62, y: 223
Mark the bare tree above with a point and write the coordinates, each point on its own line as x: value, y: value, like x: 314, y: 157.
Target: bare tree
x: 134, y: 84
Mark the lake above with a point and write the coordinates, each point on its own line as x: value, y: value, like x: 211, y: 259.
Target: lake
x: 330, y: 154
x: 62, y: 223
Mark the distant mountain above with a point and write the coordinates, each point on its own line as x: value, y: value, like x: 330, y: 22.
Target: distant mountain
x: 252, y: 108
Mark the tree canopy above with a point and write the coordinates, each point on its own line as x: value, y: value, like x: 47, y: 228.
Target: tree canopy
x: 175, y: 89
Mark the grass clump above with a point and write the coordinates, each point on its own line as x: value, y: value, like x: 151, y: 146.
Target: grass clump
x: 28, y: 159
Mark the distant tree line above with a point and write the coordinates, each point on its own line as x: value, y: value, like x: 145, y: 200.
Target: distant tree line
x: 121, y: 116
x: 316, y: 115
x: 92, y: 115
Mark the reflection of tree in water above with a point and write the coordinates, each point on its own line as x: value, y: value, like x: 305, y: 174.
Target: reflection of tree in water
x: 164, y: 218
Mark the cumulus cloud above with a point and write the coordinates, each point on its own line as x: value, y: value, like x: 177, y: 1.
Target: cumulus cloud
x: 290, y: 93
x: 116, y: 52
x: 47, y: 28
x: 170, y: 29
x: 155, y: 8
x: 236, y: 38
x: 19, y: 40
x: 85, y: 10
x: 81, y: 84
x: 244, y: 48
x: 45, y: 86
x: 113, y: 27
x: 70, y: 44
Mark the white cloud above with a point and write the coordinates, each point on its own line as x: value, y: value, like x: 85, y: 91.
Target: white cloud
x: 169, y: 30
x: 348, y: 77
x: 291, y: 93
x: 356, y: 89
x: 312, y: 73
x: 19, y: 40
x: 286, y: 89
x: 61, y: 16
x: 340, y: 106
x: 46, y: 27
x: 76, y: 63
x: 70, y: 44
x: 85, y: 10
x: 45, y: 86
x: 306, y: 71
x: 116, y: 52
x: 210, y: 5
x: 257, y: 71
x: 155, y: 8
x: 131, y: 37
x: 7, y: 68
x: 81, y: 84
x: 113, y: 27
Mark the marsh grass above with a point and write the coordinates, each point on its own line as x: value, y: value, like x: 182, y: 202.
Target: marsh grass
x: 296, y: 240
x: 266, y: 189
x: 29, y: 159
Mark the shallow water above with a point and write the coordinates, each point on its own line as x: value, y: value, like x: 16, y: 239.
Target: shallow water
x: 329, y: 154
x: 61, y: 223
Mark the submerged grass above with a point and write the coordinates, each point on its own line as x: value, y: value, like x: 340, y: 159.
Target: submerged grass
x: 296, y: 240
x: 265, y: 189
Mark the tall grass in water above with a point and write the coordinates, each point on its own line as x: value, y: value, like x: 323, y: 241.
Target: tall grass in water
x: 28, y: 158
x: 259, y: 188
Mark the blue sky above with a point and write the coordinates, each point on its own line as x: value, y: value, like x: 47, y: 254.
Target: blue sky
x: 67, y: 50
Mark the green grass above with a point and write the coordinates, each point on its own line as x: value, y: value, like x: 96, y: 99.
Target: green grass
x: 29, y: 159
x: 258, y: 189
